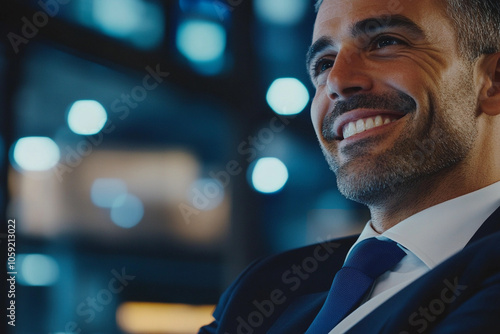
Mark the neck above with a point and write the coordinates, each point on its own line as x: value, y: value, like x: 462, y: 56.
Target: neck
x: 479, y: 169
x: 424, y: 194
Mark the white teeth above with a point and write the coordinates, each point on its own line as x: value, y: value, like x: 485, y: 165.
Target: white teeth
x: 350, y: 130
x: 369, y: 124
x: 361, y: 125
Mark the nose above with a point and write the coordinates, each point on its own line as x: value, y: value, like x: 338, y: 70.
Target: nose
x: 348, y: 76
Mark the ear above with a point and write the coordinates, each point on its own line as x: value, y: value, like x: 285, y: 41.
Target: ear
x: 490, y: 90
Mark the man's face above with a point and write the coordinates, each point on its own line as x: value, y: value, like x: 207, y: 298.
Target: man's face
x: 395, y: 104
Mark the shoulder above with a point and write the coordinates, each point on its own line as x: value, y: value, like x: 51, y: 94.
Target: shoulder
x: 458, y: 296
x: 281, y: 278
x: 320, y: 256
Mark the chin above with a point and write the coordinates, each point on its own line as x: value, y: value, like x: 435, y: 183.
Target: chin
x: 368, y: 191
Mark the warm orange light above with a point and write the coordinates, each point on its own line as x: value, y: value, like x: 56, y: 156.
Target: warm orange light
x: 155, y: 318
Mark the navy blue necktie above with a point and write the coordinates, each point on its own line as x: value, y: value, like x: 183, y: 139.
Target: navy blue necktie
x: 368, y: 260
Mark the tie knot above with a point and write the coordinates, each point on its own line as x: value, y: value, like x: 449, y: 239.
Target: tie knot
x: 374, y: 257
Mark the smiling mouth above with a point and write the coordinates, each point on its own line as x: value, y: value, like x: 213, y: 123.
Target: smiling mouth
x: 365, y: 113
x: 361, y: 125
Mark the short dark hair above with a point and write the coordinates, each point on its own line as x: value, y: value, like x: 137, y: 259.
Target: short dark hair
x: 477, y: 23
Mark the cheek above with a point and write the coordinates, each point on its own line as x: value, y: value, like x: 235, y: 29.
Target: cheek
x: 319, y: 108
x: 415, y: 74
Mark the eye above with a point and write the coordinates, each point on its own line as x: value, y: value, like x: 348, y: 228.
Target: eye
x: 322, y: 65
x: 385, y: 41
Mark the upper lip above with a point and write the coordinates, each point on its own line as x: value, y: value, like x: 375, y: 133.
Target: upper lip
x: 354, y: 115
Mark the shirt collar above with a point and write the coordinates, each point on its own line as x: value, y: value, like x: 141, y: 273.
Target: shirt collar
x: 438, y: 232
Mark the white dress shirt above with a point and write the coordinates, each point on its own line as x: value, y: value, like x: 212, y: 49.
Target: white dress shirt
x: 428, y: 238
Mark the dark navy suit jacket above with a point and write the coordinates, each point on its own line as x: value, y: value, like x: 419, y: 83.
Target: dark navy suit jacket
x: 283, y: 293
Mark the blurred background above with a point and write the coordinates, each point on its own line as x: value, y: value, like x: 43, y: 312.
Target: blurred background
x: 149, y: 151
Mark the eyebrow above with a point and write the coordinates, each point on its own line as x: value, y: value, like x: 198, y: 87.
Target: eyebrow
x: 374, y: 24
x: 317, y: 47
x: 365, y: 27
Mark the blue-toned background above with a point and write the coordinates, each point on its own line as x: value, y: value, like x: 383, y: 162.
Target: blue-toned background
x: 150, y: 150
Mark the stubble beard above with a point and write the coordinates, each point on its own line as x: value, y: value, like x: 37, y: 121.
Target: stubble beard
x: 421, y: 152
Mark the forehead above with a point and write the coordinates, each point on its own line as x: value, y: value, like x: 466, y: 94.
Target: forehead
x: 337, y: 16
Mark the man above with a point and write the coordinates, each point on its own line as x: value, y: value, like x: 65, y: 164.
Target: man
x: 407, y: 113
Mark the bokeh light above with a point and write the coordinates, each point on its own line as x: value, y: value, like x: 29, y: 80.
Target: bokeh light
x: 287, y: 96
x: 36, y: 153
x: 269, y: 175
x: 37, y: 269
x: 206, y: 194
x: 127, y: 211
x: 201, y: 40
x: 105, y: 191
x: 137, y: 21
x: 87, y: 117
x: 283, y: 12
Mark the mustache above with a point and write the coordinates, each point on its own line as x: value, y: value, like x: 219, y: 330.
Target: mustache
x: 397, y: 101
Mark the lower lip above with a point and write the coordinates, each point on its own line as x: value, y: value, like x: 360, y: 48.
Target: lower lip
x: 369, y: 133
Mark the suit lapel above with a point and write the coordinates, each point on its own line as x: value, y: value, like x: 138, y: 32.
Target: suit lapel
x: 387, y: 317
x: 452, y: 287
x: 299, y: 314
x: 490, y: 226
x: 282, y: 291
